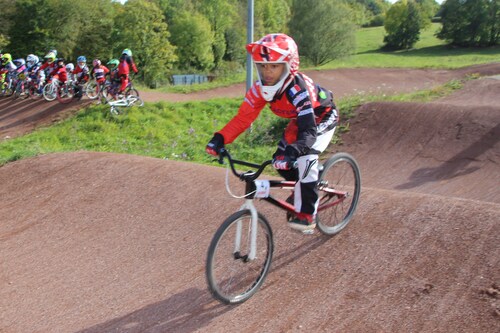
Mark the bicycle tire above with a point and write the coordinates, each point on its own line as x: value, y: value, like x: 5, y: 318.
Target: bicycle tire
x: 92, y: 89
x: 8, y: 90
x: 18, y: 90
x: 132, y: 92
x: 137, y: 102
x: 65, y: 93
x: 49, y: 92
x: 340, y: 173
x: 33, y: 92
x: 231, y: 277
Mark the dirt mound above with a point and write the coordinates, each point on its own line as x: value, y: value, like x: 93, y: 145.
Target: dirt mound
x: 97, y: 242
x: 435, y: 147
x: 21, y: 116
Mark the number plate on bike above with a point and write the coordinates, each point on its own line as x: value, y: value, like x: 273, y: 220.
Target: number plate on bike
x: 262, y: 188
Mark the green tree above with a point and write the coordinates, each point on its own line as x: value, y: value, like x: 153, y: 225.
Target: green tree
x: 470, y: 22
x: 322, y: 30
x: 193, y: 37
x: 402, y: 24
x: 71, y: 27
x: 269, y: 16
x: 95, y: 34
x: 220, y: 14
x: 31, y: 30
x: 6, y: 19
x: 141, y: 27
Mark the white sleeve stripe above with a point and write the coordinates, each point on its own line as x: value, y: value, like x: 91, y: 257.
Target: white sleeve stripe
x: 305, y: 112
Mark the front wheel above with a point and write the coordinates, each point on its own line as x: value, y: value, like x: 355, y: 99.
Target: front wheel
x: 339, y: 187
x: 92, y: 89
x: 65, y: 93
x: 232, y: 276
x: 8, y: 89
x: 49, y: 92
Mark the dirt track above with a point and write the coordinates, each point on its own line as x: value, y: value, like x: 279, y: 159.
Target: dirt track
x: 97, y: 242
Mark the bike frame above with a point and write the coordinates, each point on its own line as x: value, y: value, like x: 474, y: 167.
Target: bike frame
x: 260, y: 189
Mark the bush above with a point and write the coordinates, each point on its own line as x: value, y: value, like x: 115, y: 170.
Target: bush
x: 402, y: 24
x: 470, y: 22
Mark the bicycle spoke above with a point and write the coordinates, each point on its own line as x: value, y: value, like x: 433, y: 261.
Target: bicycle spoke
x: 232, y: 276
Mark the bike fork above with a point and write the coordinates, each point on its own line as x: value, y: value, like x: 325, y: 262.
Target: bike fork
x: 253, y: 230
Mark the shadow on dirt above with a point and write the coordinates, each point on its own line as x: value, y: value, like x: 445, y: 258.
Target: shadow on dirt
x: 187, y: 311
x: 456, y: 166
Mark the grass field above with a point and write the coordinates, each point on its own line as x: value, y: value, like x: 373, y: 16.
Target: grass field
x: 429, y: 52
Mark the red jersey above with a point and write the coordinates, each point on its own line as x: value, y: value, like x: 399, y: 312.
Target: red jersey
x: 303, y: 102
x: 126, y: 62
x: 100, y: 72
x: 60, y: 74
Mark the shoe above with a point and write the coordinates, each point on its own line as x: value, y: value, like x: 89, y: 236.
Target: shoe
x: 303, y: 222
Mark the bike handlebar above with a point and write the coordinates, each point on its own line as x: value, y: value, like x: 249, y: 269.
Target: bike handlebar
x: 246, y: 176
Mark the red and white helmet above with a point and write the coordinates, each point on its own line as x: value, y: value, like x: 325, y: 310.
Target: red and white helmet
x: 275, y: 48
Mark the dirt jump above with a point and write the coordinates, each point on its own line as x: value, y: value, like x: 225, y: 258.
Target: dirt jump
x: 100, y: 242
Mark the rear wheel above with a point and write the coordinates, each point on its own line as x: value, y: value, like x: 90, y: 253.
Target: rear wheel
x: 132, y: 92
x: 65, y: 93
x: 92, y: 89
x: 232, y: 276
x: 34, y: 92
x: 339, y: 187
x: 136, y: 101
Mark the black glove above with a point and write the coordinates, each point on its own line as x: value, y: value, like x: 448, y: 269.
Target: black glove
x: 283, y: 162
x: 215, y: 145
x: 286, y: 161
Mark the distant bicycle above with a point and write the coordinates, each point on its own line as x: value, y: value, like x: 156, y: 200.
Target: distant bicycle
x: 93, y: 89
x: 118, y: 106
x: 50, y: 90
x: 240, y: 253
x: 8, y: 86
x: 111, y: 91
x: 21, y: 85
x: 65, y: 92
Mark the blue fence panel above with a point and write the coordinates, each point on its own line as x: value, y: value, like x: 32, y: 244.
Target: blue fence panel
x: 188, y: 79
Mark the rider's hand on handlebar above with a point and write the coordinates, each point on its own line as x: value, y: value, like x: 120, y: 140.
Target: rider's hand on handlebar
x: 215, y: 144
x: 283, y: 162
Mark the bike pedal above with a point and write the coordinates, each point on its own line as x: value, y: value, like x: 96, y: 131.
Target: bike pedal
x: 308, y: 232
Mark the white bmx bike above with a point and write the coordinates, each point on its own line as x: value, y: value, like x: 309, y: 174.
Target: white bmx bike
x: 117, y: 107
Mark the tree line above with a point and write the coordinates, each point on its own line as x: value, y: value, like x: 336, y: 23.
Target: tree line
x: 208, y: 36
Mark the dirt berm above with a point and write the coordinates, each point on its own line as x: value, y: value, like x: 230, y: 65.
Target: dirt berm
x: 100, y: 242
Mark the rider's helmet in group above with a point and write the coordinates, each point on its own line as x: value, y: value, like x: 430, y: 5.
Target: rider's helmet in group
x: 96, y: 62
x: 51, y: 57
x: 6, y: 58
x: 60, y: 62
x: 278, y: 49
x: 113, y: 63
x: 81, y: 61
x: 32, y: 60
x: 53, y: 51
x: 19, y: 62
x: 70, y: 67
x: 127, y: 52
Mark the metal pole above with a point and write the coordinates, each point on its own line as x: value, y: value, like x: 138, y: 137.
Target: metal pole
x: 249, y: 40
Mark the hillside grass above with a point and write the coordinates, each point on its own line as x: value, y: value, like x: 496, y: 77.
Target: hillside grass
x: 177, y: 131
